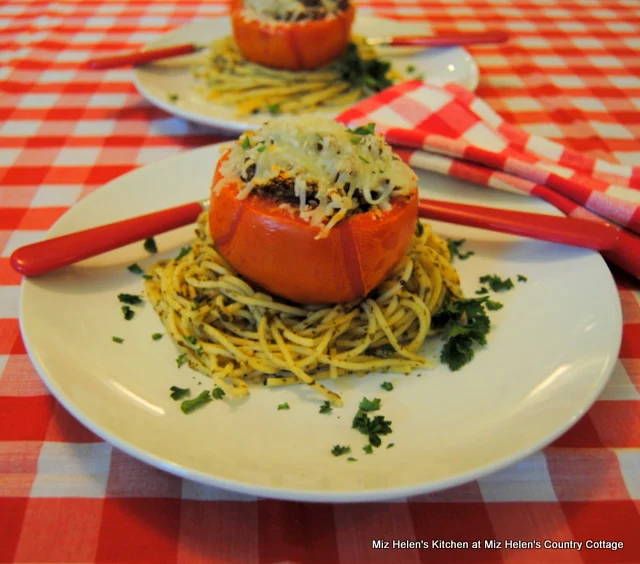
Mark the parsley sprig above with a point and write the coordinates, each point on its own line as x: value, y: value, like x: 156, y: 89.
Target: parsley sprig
x: 454, y: 249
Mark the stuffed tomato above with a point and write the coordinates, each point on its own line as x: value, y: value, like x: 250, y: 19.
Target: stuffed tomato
x: 311, y: 211
x: 292, y: 34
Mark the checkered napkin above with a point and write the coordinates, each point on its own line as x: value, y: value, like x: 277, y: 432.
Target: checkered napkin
x: 451, y: 131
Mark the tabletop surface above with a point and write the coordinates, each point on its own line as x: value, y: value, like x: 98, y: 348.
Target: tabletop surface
x: 571, y: 72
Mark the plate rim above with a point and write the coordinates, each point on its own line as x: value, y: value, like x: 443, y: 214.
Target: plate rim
x: 284, y: 493
x: 235, y: 125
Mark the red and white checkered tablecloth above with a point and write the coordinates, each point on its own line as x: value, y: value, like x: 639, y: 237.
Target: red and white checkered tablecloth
x: 571, y: 73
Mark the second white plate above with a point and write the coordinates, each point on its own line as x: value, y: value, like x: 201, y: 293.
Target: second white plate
x: 161, y: 82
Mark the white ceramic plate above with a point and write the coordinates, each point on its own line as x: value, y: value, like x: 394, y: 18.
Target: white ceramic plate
x: 549, y: 355
x: 159, y: 81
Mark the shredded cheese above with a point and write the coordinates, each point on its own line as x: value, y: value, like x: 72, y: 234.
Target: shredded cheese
x: 331, y: 170
x: 291, y: 10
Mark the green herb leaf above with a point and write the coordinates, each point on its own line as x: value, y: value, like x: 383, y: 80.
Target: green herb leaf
x: 370, y: 74
x: 387, y: 386
x: 274, y: 109
x: 187, y: 406
x: 117, y: 339
x: 218, y: 393
x: 128, y: 313
x: 363, y: 159
x: 326, y: 407
x: 454, y: 249
x: 135, y: 268
x: 150, y: 245
x: 496, y: 283
x: 246, y: 144
x: 179, y: 393
x: 183, y: 252
x: 130, y: 299
x: 482, y: 290
x: 173, y: 98
x: 181, y: 359
x: 191, y: 339
x: 147, y: 276
x: 411, y: 68
x: 390, y: 445
x: 370, y: 405
x: 356, y: 140
x: 261, y: 148
x: 368, y: 129
x: 339, y: 450
x: 283, y: 406
x: 492, y: 306
x: 156, y: 336
x: 368, y: 449
x: 351, y: 459
x: 522, y: 278
x: 419, y: 229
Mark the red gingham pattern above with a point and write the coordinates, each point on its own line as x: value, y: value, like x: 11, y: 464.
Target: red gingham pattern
x: 570, y: 73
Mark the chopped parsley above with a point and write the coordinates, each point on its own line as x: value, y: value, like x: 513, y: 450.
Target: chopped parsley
x: 150, y: 245
x: 522, y: 278
x: 493, y: 306
x: 369, y: 74
x: 173, y: 98
x: 156, y: 336
x: 369, y: 405
x: 482, y: 290
x: 454, y: 249
x: 178, y: 393
x: 373, y: 428
x: 127, y: 312
x: 117, y: 339
x: 135, y: 268
x: 368, y: 449
x: 246, y: 144
x: 496, y: 283
x: 339, y: 450
x: 419, y: 229
x: 183, y: 252
x: 217, y: 393
x: 261, y: 148
x: 390, y: 445
x: 130, y: 299
x: 187, y: 406
x: 411, y: 68
x: 191, y: 339
x: 181, y: 359
x: 387, y: 386
x: 364, y: 160
x: 274, y: 109
x: 147, y: 276
x: 326, y: 407
x: 283, y: 406
x: 368, y: 129
x: 351, y: 459
x: 465, y: 324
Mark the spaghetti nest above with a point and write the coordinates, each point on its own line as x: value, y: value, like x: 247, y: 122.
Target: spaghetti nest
x: 237, y: 334
x: 229, y: 79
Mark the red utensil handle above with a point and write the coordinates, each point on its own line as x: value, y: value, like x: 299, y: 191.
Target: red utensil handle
x: 564, y: 230
x: 138, y: 57
x: 51, y: 254
x: 445, y: 40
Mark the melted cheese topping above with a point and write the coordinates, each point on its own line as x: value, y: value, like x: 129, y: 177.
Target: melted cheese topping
x: 332, y: 171
x: 290, y: 10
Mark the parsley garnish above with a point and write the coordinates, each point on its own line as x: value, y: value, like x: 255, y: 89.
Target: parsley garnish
x: 419, y: 229
x: 283, y: 406
x: 492, y: 306
x: 127, y: 312
x: 363, y: 159
x: 117, y: 339
x: 262, y: 147
x: 522, y: 278
x: 387, y: 386
x: 217, y: 393
x: 465, y: 324
x: 496, y: 283
x: 390, y: 445
x: 351, y: 459
x: 482, y: 290
x: 274, y: 109
x: 135, y: 268
x: 147, y: 276
x: 370, y: 74
x: 181, y: 359
x: 411, y: 68
x: 246, y: 144
x: 130, y: 299
x: 191, y: 339
x: 156, y: 336
x: 369, y: 405
x: 355, y: 140
x: 326, y: 407
x: 368, y: 129
x: 454, y: 249
x: 183, y: 252
x: 339, y: 450
x: 178, y: 393
x: 373, y: 428
x: 368, y: 449
x: 150, y: 245
x: 187, y: 406
x: 173, y: 98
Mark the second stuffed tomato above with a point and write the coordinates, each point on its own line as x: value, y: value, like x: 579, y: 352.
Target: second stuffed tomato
x: 311, y: 211
x: 293, y: 35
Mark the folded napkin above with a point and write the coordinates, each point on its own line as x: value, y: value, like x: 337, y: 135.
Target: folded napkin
x: 451, y: 131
